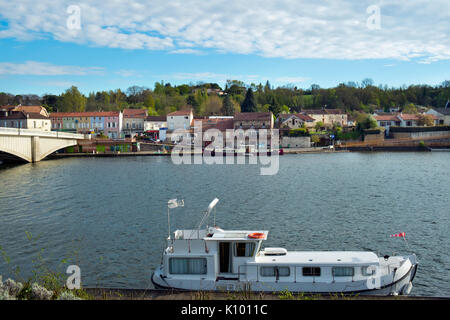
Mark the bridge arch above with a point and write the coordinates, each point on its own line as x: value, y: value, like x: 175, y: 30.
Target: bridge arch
x: 7, y: 154
x: 53, y: 149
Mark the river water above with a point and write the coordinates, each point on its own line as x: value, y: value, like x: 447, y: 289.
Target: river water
x: 109, y: 215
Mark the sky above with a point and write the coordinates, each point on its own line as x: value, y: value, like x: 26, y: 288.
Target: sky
x: 48, y: 46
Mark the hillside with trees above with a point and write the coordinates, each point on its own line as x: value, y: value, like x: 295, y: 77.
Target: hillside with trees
x: 210, y: 99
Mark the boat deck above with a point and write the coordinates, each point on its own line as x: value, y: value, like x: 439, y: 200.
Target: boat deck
x: 320, y: 257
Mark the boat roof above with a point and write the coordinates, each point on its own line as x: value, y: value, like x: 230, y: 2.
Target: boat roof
x: 236, y: 235
x: 314, y: 258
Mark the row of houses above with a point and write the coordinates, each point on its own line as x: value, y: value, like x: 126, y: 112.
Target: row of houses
x: 117, y: 124
x: 435, y: 117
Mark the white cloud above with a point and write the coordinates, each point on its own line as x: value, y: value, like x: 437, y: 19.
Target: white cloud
x: 45, y: 69
x: 187, y: 51
x: 329, y: 29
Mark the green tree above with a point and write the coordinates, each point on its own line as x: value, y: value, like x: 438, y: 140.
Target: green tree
x: 285, y: 109
x: 410, y: 108
x: 249, y: 103
x: 213, y: 105
x: 319, y: 125
x: 227, y: 106
x: 315, y: 139
x: 149, y: 102
x: 72, y: 101
x: 425, y: 120
x: 364, y: 121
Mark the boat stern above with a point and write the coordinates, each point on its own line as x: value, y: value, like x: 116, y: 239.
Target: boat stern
x: 405, y: 275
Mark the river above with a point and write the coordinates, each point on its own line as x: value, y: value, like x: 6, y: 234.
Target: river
x: 109, y: 215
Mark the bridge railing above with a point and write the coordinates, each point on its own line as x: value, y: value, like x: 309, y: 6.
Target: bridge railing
x: 50, y: 134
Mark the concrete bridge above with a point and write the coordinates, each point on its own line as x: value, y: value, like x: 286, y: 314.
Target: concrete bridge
x: 33, y: 146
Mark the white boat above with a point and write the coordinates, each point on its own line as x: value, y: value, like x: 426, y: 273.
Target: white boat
x: 212, y: 259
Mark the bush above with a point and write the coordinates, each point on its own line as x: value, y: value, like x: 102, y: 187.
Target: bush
x: 300, y: 132
x: 67, y: 295
x: 40, y: 293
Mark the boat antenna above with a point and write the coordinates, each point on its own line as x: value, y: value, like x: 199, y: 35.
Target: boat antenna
x: 207, y: 213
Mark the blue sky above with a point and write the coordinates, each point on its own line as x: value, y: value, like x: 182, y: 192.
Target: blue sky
x: 120, y: 44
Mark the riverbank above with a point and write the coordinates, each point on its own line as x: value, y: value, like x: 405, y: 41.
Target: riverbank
x: 152, y: 153
x: 155, y: 294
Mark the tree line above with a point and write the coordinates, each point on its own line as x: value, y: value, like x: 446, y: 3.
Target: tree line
x: 210, y: 99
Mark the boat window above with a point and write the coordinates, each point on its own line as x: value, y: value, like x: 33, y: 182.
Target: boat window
x: 368, y: 270
x: 187, y: 265
x: 244, y: 249
x: 275, y: 271
x: 311, y: 271
x: 343, y: 271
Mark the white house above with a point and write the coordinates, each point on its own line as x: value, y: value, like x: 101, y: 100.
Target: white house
x: 156, y: 127
x: 442, y: 113
x: 180, y: 120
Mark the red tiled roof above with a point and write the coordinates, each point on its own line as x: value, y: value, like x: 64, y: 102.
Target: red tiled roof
x: 323, y: 111
x: 135, y: 113
x: 26, y: 109
x: 180, y: 113
x: 253, y: 116
x: 31, y: 109
x: 220, y: 124
x: 408, y: 116
x: 386, y: 118
x: 23, y: 115
x: 301, y: 116
x: 304, y: 117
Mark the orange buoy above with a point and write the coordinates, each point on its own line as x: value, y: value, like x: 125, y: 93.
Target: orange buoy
x: 256, y: 235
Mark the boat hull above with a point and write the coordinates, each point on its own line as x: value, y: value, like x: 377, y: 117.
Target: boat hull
x: 400, y: 285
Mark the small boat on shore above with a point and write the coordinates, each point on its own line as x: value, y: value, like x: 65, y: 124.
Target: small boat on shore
x: 213, y: 259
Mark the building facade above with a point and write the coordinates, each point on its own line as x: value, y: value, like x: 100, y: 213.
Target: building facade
x: 328, y: 117
x: 107, y: 122
x: 25, y: 117
x: 133, y: 121
x: 179, y: 125
x: 253, y: 120
x: 295, y: 121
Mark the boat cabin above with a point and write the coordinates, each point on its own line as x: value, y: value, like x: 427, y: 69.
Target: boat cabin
x: 212, y: 253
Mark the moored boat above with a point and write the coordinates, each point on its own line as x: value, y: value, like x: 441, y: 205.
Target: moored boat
x: 214, y: 259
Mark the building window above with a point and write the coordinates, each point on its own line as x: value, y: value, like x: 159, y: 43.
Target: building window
x: 311, y: 271
x: 343, y: 271
x: 187, y: 266
x: 275, y: 272
x: 244, y: 249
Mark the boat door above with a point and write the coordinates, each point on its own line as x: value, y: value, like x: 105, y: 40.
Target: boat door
x: 225, y: 257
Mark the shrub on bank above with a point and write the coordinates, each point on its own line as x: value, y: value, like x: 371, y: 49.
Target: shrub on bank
x: 12, y: 290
